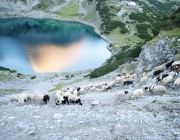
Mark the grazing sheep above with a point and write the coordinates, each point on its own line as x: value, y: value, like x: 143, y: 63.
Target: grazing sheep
x: 111, y: 83
x: 46, y: 99
x: 119, y: 79
x: 132, y: 76
x: 159, y: 68
x: 144, y: 74
x: 138, y: 93
x: 80, y: 91
x: 176, y: 63
x: 169, y: 64
x: 75, y: 92
x: 158, y: 79
x: 59, y: 99
x: 163, y: 76
x: 128, y: 82
x: 143, y: 79
x: 104, y: 87
x: 31, y: 97
x: 121, y: 94
x: 99, y: 89
x: 70, y: 90
x: 176, y: 83
x: 176, y: 68
x: 22, y: 98
x: 169, y: 78
x: 66, y: 94
x: 13, y: 98
x: 74, y: 99
x: 157, y: 72
x: 156, y: 89
x: 39, y: 97
x: 59, y: 92
x: 84, y: 87
x: 146, y: 88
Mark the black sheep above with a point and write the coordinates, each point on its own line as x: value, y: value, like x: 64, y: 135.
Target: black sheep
x: 169, y: 64
x: 128, y: 82
x: 163, y: 76
x: 46, y: 98
x: 157, y: 72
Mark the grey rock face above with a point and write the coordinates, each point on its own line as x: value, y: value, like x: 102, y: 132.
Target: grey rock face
x: 154, y: 55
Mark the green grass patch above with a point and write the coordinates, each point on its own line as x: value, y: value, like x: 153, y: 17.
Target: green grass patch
x: 163, y: 34
x: 131, y: 67
x: 10, y: 91
x: 60, y: 85
x: 69, y: 11
x: 89, y: 16
x: 33, y: 77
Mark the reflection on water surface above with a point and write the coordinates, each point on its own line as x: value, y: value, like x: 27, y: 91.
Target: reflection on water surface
x: 44, y: 45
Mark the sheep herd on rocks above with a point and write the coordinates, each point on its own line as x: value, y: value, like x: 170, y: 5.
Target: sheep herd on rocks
x: 163, y: 74
x: 37, y: 96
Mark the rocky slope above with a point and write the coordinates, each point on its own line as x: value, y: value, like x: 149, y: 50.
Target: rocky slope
x: 165, y: 47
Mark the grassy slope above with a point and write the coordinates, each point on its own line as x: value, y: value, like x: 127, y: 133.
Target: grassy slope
x: 86, y: 11
x: 72, y: 11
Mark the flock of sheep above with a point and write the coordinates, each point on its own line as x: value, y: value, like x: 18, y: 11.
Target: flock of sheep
x: 37, y: 96
x: 74, y: 94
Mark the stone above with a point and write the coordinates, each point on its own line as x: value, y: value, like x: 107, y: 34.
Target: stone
x: 57, y: 116
x: 96, y: 102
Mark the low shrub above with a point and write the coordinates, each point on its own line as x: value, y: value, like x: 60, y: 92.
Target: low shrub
x: 33, y: 77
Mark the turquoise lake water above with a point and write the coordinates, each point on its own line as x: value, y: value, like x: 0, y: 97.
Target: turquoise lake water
x: 45, y: 45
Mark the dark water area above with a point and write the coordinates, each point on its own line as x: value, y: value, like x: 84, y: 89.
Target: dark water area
x: 45, y: 45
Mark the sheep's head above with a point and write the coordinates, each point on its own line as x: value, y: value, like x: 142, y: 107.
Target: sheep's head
x: 126, y: 92
x: 78, y: 88
x: 146, y: 88
x: 57, y: 102
x: 46, y: 98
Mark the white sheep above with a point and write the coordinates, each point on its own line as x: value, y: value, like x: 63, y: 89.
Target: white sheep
x: 156, y: 89
x: 89, y: 86
x: 176, y: 83
x: 80, y: 91
x: 92, y: 88
x: 22, y: 98
x: 31, y: 97
x: 119, y: 79
x: 59, y: 99
x: 143, y: 79
x: 159, y: 68
x: 75, y: 92
x: 74, y: 99
x: 144, y: 74
x: 70, y: 90
x: 13, y: 98
x: 132, y: 76
x: 59, y: 92
x: 111, y: 83
x: 104, y: 87
x: 39, y: 97
x: 66, y: 94
x: 176, y: 62
x: 169, y: 78
x: 121, y: 94
x: 138, y: 93
x: 99, y: 89
x: 84, y: 87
